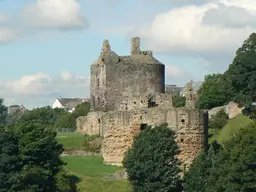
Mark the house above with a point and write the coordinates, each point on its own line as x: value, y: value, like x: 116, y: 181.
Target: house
x: 195, y: 87
x: 173, y: 89
x: 15, y: 108
x: 68, y: 103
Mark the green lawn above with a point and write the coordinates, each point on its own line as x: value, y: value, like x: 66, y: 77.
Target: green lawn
x: 229, y: 129
x: 71, y: 140
x: 91, y: 171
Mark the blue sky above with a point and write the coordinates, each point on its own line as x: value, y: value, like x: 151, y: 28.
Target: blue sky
x: 47, y: 46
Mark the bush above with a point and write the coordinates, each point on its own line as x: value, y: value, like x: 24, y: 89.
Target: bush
x: 92, y: 143
x: 219, y: 120
x: 152, y: 163
x: 178, y: 101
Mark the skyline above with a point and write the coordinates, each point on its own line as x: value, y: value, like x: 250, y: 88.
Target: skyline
x: 47, y: 46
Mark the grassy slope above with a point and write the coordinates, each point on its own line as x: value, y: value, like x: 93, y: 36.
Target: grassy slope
x: 90, y: 169
x: 232, y: 127
x: 71, y: 140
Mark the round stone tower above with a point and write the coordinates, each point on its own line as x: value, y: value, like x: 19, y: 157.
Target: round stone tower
x: 126, y: 82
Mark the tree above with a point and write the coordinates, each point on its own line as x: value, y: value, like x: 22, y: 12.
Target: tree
x: 195, y: 179
x: 235, y: 166
x: 152, y: 163
x: 219, y: 120
x: 178, y: 101
x: 215, y: 91
x: 36, y: 153
x: 9, y: 160
x: 81, y: 110
x: 3, y: 112
x: 65, y: 121
x: 242, y: 72
x: 44, y: 116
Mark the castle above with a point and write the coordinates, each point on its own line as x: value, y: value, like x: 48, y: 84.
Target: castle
x: 127, y: 95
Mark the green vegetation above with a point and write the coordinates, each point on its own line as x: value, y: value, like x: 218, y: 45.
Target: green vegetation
x: 71, y: 140
x: 219, y: 120
x: 91, y: 166
x: 231, y: 168
x: 231, y: 128
x: 92, y: 143
x: 237, y: 83
x: 178, y: 101
x: 148, y: 161
x: 3, y: 112
x: 30, y: 160
x: 91, y: 172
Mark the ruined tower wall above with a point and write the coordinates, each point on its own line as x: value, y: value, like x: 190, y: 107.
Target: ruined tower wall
x: 129, y: 80
x: 98, y: 85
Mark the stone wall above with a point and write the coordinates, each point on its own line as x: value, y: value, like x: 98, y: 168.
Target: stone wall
x: 232, y: 110
x: 118, y: 129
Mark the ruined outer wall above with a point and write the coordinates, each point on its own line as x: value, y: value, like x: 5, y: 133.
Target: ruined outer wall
x: 190, y: 134
x: 119, y: 129
x: 129, y: 78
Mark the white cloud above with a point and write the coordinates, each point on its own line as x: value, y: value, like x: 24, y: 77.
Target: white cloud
x: 6, y: 35
x: 41, y: 89
x: 208, y: 30
x: 54, y: 14
x: 173, y: 71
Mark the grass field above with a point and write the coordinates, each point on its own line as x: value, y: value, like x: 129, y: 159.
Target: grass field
x: 229, y: 129
x: 91, y: 171
x: 71, y: 140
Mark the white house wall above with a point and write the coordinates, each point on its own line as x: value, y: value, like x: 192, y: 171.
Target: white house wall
x: 57, y: 104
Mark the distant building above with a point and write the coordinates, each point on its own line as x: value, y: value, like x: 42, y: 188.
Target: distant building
x: 173, y: 89
x: 195, y: 87
x: 69, y: 104
x: 16, y: 108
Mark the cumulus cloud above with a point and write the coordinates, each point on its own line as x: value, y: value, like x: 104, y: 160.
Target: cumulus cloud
x: 7, y: 34
x: 41, y: 89
x: 61, y: 14
x: 208, y: 30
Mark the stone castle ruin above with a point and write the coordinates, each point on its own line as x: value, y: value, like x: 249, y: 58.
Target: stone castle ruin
x: 127, y: 95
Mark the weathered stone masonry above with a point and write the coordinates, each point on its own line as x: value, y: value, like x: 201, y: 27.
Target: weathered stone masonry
x: 127, y: 94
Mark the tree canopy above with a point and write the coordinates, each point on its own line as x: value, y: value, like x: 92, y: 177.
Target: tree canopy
x: 152, y: 163
x: 237, y: 83
x: 3, y: 112
x: 30, y: 159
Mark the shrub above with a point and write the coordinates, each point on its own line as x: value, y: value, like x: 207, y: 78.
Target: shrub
x: 92, y: 143
x: 152, y: 163
x: 219, y: 120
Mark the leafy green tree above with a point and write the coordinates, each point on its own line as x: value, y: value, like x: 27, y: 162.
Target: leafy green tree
x: 81, y: 110
x: 214, y: 92
x: 43, y: 116
x: 195, y: 179
x: 219, y: 120
x: 235, y: 166
x: 9, y: 160
x: 3, y: 112
x: 65, y: 121
x: 152, y: 163
x: 178, y: 101
x: 41, y: 168
x: 242, y: 72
